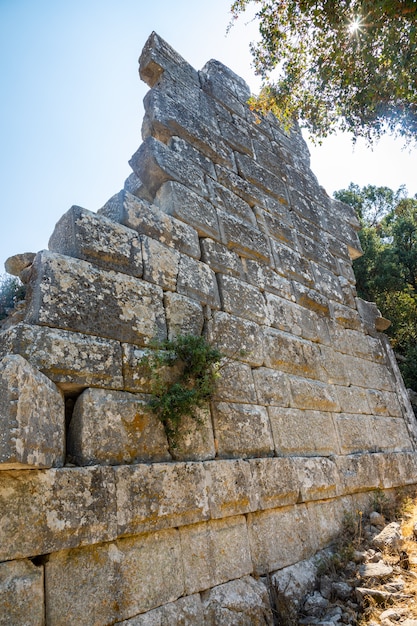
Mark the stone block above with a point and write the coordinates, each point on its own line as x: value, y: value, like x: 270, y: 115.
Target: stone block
x: 135, y: 186
x: 242, y: 430
x: 328, y: 284
x: 391, y: 434
x: 94, y: 238
x: 383, y: 403
x: 240, y: 298
x: 326, y: 520
x: 317, y: 252
x: 184, y: 316
x: 359, y: 472
x: 356, y: 433
x: 239, y: 186
x: 292, y: 355
x: 161, y: 495
x: 135, y: 374
x: 187, y: 151
x: 160, y: 263
x: 166, y: 117
x: 32, y: 417
x: 290, y: 264
x: 301, y: 433
x: 18, y: 263
x: 371, y: 375
x: 158, y: 57
x: 231, y: 489
x: 230, y: 203
x: 194, y: 439
x: 272, y: 387
x: 48, y: 510
x: 154, y: 163
x: 353, y: 399
x: 147, y: 219
x: 284, y: 314
x: 312, y: 394
x: 277, y: 226
x: 236, y: 338
x: 232, y: 92
x: 399, y: 468
x: 242, y: 601
x: 279, y: 537
x: 260, y: 177
x: 21, y: 594
x: 177, y: 200
x: 109, y: 304
x: 235, y: 383
x: 72, y: 360
x: 220, y: 258
x: 214, y: 552
x: 113, y: 428
x: 335, y: 367
x: 111, y: 582
x: 275, y: 483
x: 267, y: 279
x: 311, y: 300
x: 318, y: 478
x: 245, y: 239
x: 236, y: 134
x: 198, y: 281
x: 345, y: 316
x: 187, y: 611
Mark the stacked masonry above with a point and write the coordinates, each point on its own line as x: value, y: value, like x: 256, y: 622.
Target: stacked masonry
x: 222, y: 229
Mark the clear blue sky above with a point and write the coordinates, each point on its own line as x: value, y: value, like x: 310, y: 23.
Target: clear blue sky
x: 71, y: 105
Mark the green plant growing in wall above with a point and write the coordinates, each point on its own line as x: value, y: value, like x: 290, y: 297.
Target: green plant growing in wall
x: 183, y: 374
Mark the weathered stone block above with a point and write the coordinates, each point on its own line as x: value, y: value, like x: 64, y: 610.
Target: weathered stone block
x: 147, y: 219
x: 194, y: 439
x: 326, y: 520
x: 243, y: 601
x: 318, y: 478
x: 228, y: 202
x: 154, y: 163
x: 235, y: 133
x: 21, y: 594
x: 72, y: 360
x: 279, y: 537
x: 161, y: 495
x: 187, y: 151
x: 383, y: 403
x: 391, y: 434
x: 220, y: 258
x: 356, y: 433
x: 328, y: 284
x: 236, y: 337
x: 94, y: 238
x: 133, y: 310
x: 358, y: 472
x: 48, y: 510
x: 266, y: 278
x: 184, y: 316
x: 284, y: 314
x: 289, y: 354
x: 297, y: 433
x: 245, y: 239
x: 363, y: 373
x: 198, y: 281
x: 345, y: 316
x: 225, y: 86
x: 311, y: 394
x: 277, y: 226
x: 235, y: 383
x: 275, y: 483
x: 242, y: 430
x: 110, y: 582
x: 32, y: 417
x: 158, y: 57
x: 320, y: 255
x: 160, y: 263
x: 114, y: 427
x: 257, y: 175
x: 399, y: 468
x: 187, y: 611
x: 311, y: 300
x: 353, y: 399
x: 239, y: 186
x: 335, y: 367
x: 241, y: 298
x: 272, y: 387
x: 135, y: 374
x: 177, y: 200
x: 231, y: 490
x: 135, y: 186
x: 291, y: 264
x: 215, y: 552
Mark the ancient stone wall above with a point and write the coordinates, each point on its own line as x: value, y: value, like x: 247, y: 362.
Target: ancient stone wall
x: 221, y: 229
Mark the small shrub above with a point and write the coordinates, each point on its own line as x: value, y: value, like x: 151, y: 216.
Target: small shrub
x: 183, y: 373
x: 12, y: 291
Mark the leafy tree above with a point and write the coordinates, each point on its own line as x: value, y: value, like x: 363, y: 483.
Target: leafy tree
x: 338, y: 64
x: 387, y: 271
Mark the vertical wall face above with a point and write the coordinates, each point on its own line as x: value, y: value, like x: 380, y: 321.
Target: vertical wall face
x: 221, y: 229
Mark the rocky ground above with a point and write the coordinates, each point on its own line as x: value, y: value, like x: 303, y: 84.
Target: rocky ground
x: 368, y: 579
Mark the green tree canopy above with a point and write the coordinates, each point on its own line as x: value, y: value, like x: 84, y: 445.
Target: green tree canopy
x: 338, y: 64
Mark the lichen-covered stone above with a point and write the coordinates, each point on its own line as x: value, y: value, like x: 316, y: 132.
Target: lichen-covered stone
x: 114, y: 427
x: 235, y: 383
x: 275, y: 482
x: 237, y: 338
x: 72, y: 360
x: 245, y: 239
x: 318, y: 478
x: 158, y: 57
x: 109, y: 304
x: 303, y: 434
x: 160, y: 263
x: 184, y: 316
x: 292, y: 355
x: 241, y: 298
x: 48, y: 510
x: 231, y: 490
x: 272, y: 387
x: 214, y: 552
x: 242, y: 430
x: 220, y: 258
x: 32, y: 417
x: 21, y: 594
x: 197, y: 280
x: 241, y: 602
x: 194, y: 438
x: 94, y: 238
x: 187, y: 611
x: 312, y: 394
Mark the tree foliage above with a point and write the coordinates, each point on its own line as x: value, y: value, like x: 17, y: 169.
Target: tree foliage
x: 338, y: 64
x: 387, y: 272
x: 11, y: 292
